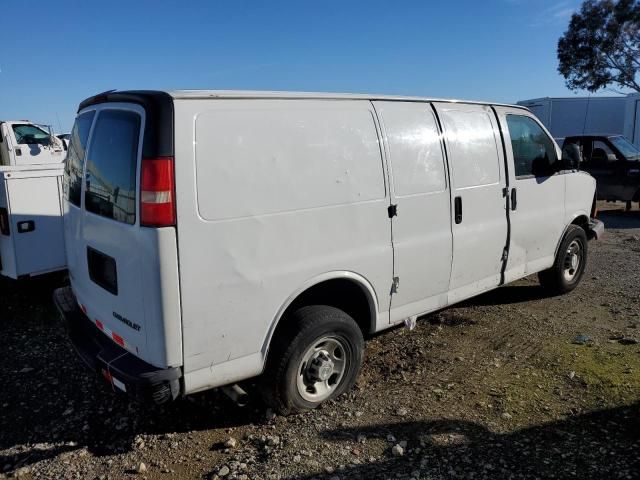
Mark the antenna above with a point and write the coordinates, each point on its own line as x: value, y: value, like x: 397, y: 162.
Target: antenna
x: 586, y: 113
x: 59, y: 124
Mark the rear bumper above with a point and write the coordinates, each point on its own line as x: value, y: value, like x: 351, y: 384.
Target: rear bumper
x: 123, y: 370
x: 596, y: 229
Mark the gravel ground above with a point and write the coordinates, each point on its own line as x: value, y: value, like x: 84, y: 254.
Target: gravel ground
x: 512, y: 384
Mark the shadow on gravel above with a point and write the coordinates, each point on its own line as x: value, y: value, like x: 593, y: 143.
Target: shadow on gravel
x: 50, y: 403
x: 507, y: 295
x: 602, y: 444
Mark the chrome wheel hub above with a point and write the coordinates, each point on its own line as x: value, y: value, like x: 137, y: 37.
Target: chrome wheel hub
x: 572, y: 260
x: 321, y: 369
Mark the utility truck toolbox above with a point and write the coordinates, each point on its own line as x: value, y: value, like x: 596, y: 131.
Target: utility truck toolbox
x: 31, y: 228
x: 215, y: 236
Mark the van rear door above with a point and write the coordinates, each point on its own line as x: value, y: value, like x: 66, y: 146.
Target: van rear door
x: 119, y: 268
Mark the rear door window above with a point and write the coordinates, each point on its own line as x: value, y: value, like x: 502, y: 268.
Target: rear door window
x: 110, y: 188
x: 533, y: 151
x: 75, y: 157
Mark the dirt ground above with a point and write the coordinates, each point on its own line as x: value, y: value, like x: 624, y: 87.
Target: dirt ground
x: 512, y: 384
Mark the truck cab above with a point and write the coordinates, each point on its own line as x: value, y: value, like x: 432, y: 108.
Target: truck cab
x: 615, y: 164
x: 26, y: 143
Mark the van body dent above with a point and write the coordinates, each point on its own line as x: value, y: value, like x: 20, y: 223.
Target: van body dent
x: 215, y: 236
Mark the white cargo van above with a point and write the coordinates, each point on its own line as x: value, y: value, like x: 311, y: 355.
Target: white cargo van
x: 217, y: 236
x: 31, y: 170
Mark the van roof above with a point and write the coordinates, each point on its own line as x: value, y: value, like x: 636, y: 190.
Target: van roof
x: 202, y: 94
x: 129, y: 95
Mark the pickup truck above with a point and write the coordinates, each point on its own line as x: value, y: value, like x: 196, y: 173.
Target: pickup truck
x: 615, y: 164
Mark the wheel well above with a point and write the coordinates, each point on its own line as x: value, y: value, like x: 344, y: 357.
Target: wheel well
x: 346, y: 295
x: 582, y: 221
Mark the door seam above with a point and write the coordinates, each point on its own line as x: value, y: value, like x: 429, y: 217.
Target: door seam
x: 505, y: 258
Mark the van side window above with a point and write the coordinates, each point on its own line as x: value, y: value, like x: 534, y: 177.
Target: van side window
x: 415, y: 148
x: 110, y: 189
x: 75, y: 157
x: 533, y: 151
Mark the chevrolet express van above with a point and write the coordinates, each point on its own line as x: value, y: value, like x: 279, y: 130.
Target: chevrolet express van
x: 217, y: 236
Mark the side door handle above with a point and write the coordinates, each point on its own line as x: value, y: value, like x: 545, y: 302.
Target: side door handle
x: 514, y: 199
x: 26, y: 226
x: 458, y: 209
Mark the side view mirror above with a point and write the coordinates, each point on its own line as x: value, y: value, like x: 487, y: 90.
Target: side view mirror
x: 571, y: 157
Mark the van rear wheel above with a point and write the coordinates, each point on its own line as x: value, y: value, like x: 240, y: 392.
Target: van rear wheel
x: 317, y: 359
x: 571, y: 260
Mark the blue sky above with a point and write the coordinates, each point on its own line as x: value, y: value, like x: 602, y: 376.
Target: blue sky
x: 67, y: 50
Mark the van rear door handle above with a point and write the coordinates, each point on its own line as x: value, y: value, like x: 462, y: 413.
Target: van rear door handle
x: 26, y: 226
x: 458, y: 209
x: 514, y: 199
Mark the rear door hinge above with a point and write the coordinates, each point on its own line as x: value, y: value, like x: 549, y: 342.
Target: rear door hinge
x: 505, y: 191
x: 505, y: 254
x: 395, y: 285
x: 392, y: 210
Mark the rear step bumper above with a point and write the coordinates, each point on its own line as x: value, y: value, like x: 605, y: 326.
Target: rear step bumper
x: 123, y: 370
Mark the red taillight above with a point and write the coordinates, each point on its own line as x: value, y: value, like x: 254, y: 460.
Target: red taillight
x: 157, y: 192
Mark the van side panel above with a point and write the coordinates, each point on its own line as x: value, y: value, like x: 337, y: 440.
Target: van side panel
x: 580, y: 190
x: 271, y: 194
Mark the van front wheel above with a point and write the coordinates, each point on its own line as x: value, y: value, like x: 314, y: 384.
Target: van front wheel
x: 318, y: 358
x: 571, y: 260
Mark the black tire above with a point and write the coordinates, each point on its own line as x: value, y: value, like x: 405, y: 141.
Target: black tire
x: 308, y: 325
x: 554, y: 279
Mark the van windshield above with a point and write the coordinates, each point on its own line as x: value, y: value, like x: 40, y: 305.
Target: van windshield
x: 628, y: 149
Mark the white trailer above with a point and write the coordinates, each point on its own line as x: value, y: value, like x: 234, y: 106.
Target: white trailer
x: 632, y: 119
x: 31, y: 172
x: 566, y: 117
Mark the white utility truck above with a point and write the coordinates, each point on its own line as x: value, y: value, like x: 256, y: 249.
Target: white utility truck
x: 31, y: 171
x: 215, y: 236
